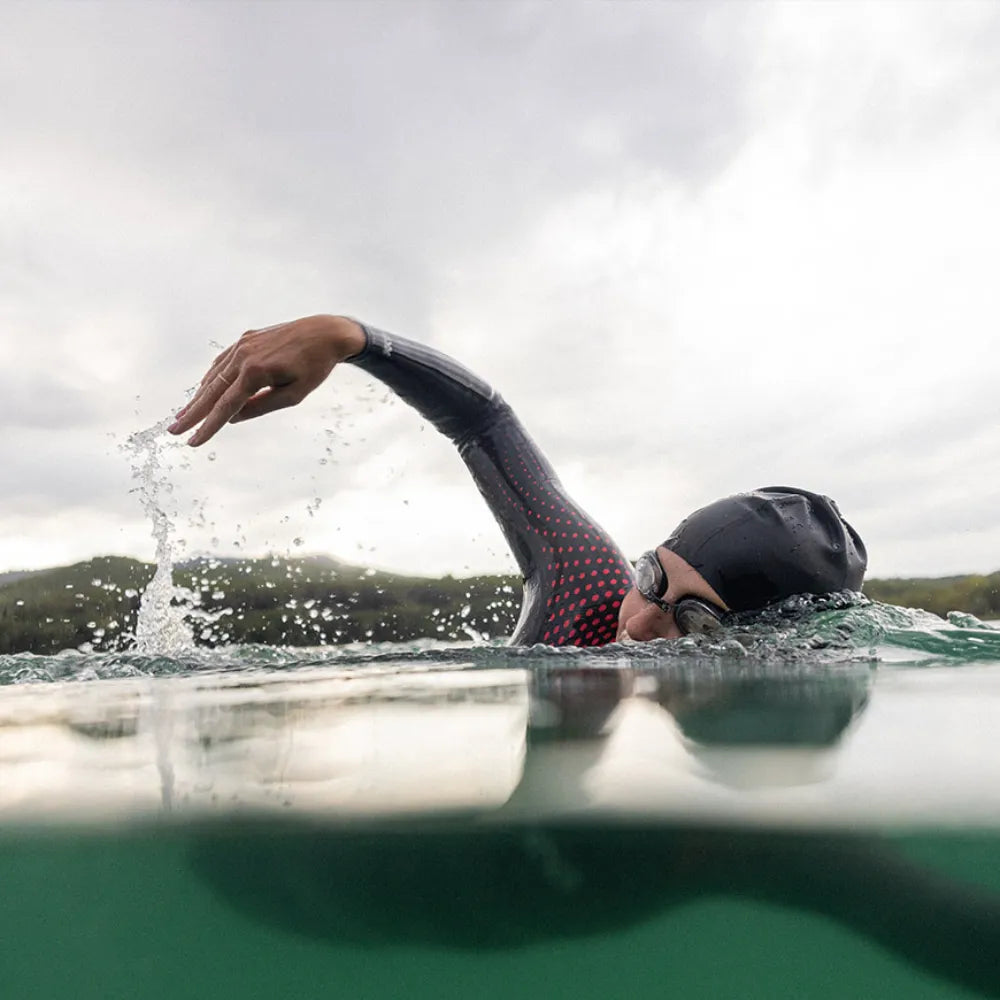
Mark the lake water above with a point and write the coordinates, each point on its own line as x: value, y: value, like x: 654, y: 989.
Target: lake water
x: 810, y: 811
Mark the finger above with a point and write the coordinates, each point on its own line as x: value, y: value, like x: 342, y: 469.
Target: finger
x: 268, y: 401
x: 226, y: 364
x: 203, y: 402
x: 227, y: 405
x: 220, y: 364
x: 205, y: 387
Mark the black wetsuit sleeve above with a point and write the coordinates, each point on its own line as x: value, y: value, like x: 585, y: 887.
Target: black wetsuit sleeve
x: 574, y: 575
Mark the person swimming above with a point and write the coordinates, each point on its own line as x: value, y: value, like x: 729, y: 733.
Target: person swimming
x: 738, y: 554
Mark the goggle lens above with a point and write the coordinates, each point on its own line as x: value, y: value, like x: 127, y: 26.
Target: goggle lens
x: 695, y: 618
x: 650, y: 580
x: 693, y: 615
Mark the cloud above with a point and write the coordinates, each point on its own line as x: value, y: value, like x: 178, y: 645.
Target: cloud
x: 700, y: 248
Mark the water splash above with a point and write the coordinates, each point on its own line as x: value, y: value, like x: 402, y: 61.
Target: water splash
x: 161, y: 628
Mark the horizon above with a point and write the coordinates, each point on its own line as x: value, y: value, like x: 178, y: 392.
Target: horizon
x: 186, y: 562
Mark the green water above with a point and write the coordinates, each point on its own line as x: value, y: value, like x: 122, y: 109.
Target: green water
x: 566, y: 912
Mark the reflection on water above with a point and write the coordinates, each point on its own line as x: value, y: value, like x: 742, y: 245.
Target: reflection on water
x: 315, y: 742
x: 693, y: 741
x: 340, y: 745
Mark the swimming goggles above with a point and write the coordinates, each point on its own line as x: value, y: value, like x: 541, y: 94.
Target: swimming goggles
x: 693, y: 615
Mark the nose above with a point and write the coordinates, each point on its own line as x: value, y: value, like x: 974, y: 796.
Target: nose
x: 650, y: 622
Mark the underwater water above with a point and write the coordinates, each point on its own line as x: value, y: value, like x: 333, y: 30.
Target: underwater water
x: 810, y: 807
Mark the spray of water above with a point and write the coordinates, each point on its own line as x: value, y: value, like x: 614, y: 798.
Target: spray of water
x: 161, y: 628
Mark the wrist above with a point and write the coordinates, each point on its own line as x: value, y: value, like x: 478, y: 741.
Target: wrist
x: 348, y: 336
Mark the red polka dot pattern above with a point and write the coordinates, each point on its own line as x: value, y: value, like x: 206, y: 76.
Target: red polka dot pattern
x: 576, y: 578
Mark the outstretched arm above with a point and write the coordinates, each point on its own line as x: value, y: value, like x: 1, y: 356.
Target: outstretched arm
x: 575, y: 577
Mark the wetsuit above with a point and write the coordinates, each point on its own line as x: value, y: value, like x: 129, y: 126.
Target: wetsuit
x: 574, y: 575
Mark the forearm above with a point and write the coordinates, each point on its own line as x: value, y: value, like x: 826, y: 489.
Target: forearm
x: 455, y: 400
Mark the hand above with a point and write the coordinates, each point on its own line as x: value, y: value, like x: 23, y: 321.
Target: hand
x: 268, y: 370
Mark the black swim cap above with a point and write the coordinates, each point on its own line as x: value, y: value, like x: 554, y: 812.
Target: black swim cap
x: 761, y: 547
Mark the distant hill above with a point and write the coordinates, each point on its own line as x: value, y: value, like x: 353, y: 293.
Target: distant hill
x: 976, y: 594
x: 311, y: 600
x: 315, y: 600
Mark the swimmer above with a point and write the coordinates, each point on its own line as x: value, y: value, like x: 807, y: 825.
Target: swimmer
x: 738, y: 554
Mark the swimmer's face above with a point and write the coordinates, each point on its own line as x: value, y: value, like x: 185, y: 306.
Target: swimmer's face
x: 641, y: 621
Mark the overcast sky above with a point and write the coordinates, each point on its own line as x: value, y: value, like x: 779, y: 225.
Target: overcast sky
x: 700, y: 248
